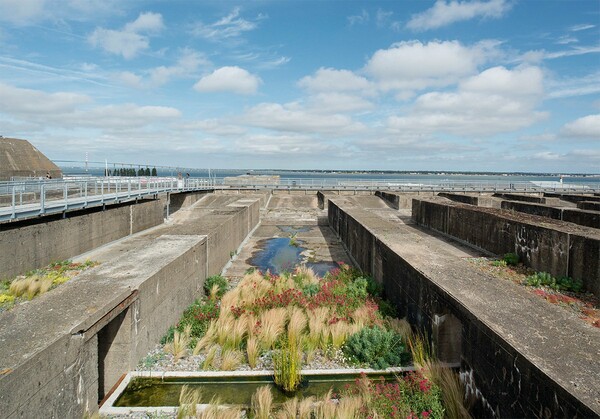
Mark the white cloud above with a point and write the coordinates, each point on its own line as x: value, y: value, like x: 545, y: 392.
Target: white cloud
x: 332, y: 80
x: 28, y: 102
x: 71, y: 111
x: 146, y: 22
x: 21, y: 11
x: 130, y: 79
x: 447, y: 12
x: 363, y: 17
x: 587, y: 127
x: 335, y: 102
x: 294, y: 118
x: 566, y: 39
x: 494, y: 101
x: 187, y: 64
x: 229, y: 79
x: 282, y: 144
x: 581, y: 27
x: 132, y: 39
x: 230, y: 26
x: 413, y: 65
x: 576, y: 86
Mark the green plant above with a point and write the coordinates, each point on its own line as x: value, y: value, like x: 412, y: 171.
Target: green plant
x: 293, y: 241
x: 218, y: 280
x: 287, y: 363
x: 386, y: 308
x: 310, y: 290
x: 560, y: 284
x: 374, y: 288
x: 511, y: 259
x: 377, y: 347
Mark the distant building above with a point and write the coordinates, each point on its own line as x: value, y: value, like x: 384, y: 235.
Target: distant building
x: 18, y: 158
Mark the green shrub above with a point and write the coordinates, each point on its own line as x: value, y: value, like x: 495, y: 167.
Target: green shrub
x: 511, y: 259
x: 561, y: 284
x: 387, y: 309
x: 357, y: 289
x: 198, y: 315
x: 374, y: 288
x: 215, y: 279
x: 310, y: 290
x: 377, y: 347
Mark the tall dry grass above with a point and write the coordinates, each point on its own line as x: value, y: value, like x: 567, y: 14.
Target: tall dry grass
x: 262, y: 403
x: 305, y: 407
x: 288, y: 410
x: 253, y: 351
x: 297, y: 323
x: 30, y: 286
x: 325, y: 408
x: 210, y: 360
x: 400, y: 326
x: 189, y: 399
x: 349, y: 408
x: 272, y: 325
x: 231, y: 360
x: 339, y: 332
x: 179, y: 346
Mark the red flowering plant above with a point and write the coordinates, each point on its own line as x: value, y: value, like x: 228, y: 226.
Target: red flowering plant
x: 408, y: 396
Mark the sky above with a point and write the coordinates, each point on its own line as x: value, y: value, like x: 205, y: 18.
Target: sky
x: 483, y: 85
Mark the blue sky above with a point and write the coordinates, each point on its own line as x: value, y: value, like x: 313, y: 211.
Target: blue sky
x: 495, y: 85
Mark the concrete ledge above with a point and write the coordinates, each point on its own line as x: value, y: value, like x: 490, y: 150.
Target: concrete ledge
x: 522, y: 356
x: 30, y: 245
x: 546, y: 245
x: 589, y: 205
x: 55, y: 349
x: 573, y: 197
x: 528, y: 198
x: 402, y: 200
x: 571, y: 215
x: 472, y: 199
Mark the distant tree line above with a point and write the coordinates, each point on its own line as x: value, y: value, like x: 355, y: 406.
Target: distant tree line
x: 131, y: 172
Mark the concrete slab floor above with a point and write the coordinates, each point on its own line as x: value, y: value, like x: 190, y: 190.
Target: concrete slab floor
x: 287, y: 215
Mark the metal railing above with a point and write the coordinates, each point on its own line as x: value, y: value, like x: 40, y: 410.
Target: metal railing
x: 24, y: 199
x: 34, y: 197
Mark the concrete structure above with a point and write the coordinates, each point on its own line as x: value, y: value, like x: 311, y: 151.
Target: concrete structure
x: 480, y: 200
x: 548, y: 245
x: 571, y: 215
x: 573, y: 197
x: 402, y: 200
x: 251, y: 180
x: 520, y: 356
x: 61, y: 352
x: 18, y: 158
x: 589, y: 205
x: 537, y: 198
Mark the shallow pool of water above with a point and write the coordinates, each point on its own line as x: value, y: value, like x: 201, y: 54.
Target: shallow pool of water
x: 142, y: 392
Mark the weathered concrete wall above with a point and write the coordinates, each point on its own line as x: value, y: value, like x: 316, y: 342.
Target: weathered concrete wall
x: 510, y: 381
x: 50, y: 356
x: 571, y: 215
x: 589, y: 205
x: 26, y: 245
x: 528, y: 198
x: 402, y: 200
x: 179, y: 200
x: 573, y: 197
x: 472, y: 199
x: 545, y: 245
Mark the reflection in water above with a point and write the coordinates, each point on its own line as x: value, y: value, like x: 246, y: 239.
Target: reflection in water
x: 278, y: 255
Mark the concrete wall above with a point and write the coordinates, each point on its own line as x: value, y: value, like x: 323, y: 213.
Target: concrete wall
x: 402, y: 200
x: 544, y: 247
x: 528, y: 198
x: 507, y: 383
x: 589, y: 205
x: 477, y: 200
x: 573, y: 197
x: 571, y: 215
x: 26, y: 245
x: 176, y: 201
x: 63, y: 350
